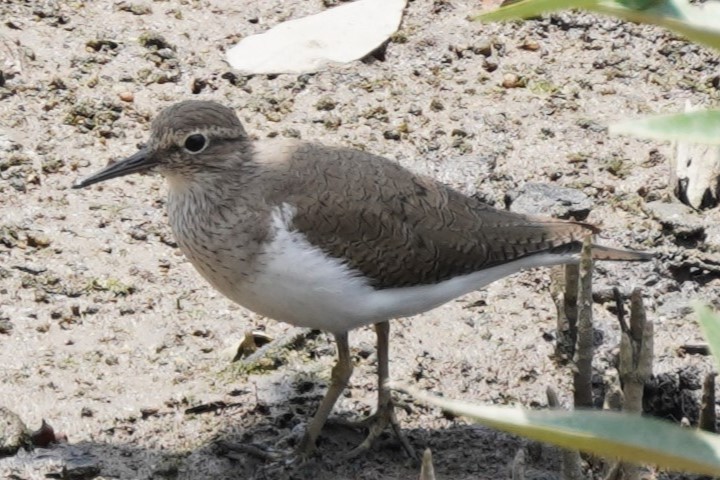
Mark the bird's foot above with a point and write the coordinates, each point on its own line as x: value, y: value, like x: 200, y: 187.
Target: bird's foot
x: 261, y: 453
x: 375, y: 425
x: 286, y: 457
x: 306, y: 448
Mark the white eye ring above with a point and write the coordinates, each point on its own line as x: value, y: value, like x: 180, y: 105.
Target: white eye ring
x: 195, y: 143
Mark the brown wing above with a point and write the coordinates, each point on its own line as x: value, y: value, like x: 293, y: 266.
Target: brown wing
x: 400, y: 229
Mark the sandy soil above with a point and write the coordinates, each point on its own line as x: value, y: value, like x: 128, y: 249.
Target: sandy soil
x: 109, y: 334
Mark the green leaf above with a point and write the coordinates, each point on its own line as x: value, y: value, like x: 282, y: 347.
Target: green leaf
x: 625, y: 436
x: 692, y: 127
x: 710, y: 324
x: 699, y: 23
x: 529, y: 8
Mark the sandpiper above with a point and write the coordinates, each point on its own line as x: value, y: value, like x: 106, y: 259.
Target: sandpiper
x: 333, y: 238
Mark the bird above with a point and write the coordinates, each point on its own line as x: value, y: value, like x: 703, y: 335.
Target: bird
x: 333, y: 238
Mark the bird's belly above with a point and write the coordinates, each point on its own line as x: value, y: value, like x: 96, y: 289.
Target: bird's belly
x: 304, y: 287
x: 292, y: 282
x: 312, y: 302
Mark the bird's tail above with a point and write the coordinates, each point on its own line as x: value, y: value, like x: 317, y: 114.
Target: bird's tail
x: 600, y: 252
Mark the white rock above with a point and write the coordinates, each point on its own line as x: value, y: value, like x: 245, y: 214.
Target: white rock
x: 695, y: 172
x: 309, y: 44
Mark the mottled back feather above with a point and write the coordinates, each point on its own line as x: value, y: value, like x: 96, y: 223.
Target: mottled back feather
x: 402, y: 229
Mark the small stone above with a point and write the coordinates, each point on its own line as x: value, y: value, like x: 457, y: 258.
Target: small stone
x: 44, y: 436
x: 38, y: 240
x: 530, y: 45
x: 13, y: 432
x: 148, y: 412
x: 436, y: 105
x: 490, y: 64
x: 41, y: 296
x: 6, y: 325
x: 550, y: 199
x: 198, y: 85
x: 134, y: 8
x: 52, y: 165
x: 332, y: 122
x: 458, y: 49
x: 101, y: 45
x: 326, y: 104
x: 154, y: 42
x: 511, y: 80
x: 126, y: 96
x: 483, y: 47
x: 138, y: 233
x: 678, y: 218
x: 391, y: 135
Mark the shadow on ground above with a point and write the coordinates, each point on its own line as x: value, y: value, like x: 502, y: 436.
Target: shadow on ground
x: 460, y: 452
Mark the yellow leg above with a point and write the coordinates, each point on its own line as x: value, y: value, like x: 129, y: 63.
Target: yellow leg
x: 341, y: 373
x: 385, y: 414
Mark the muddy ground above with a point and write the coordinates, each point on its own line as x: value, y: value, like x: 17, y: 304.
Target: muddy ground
x: 108, y: 334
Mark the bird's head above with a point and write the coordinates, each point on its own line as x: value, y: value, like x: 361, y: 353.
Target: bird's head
x: 188, y: 139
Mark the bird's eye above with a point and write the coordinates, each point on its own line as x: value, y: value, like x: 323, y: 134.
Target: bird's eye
x: 195, y: 143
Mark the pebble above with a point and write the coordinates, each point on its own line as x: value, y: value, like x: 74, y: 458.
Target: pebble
x: 38, y: 240
x: 6, y: 326
x: 680, y: 219
x: 530, y: 45
x: 13, y: 432
x: 511, y: 80
x: 326, y: 104
x: 550, y: 199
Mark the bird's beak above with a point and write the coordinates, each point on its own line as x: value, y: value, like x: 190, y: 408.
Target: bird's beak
x: 140, y: 162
